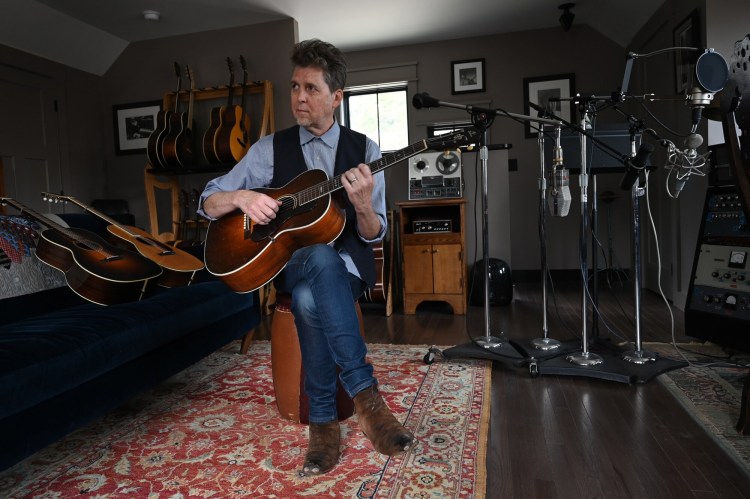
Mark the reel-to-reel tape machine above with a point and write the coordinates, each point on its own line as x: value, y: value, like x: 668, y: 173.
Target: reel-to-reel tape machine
x: 435, y: 175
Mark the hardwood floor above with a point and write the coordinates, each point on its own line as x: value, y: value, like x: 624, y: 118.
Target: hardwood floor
x: 575, y: 436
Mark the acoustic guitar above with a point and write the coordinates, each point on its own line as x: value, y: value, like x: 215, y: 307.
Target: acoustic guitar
x: 239, y: 136
x: 177, y: 148
x: 156, y: 139
x: 209, y: 151
x: 246, y: 255
x: 178, y: 266
x: 93, y: 268
x: 223, y: 136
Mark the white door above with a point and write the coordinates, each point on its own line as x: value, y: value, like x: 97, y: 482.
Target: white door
x: 29, y: 137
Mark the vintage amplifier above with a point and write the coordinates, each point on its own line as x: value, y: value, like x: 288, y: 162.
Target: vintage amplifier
x: 420, y: 226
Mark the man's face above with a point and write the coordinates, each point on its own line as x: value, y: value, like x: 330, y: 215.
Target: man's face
x: 312, y: 101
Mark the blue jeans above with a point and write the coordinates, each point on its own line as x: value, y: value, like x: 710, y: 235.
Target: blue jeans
x: 323, y: 294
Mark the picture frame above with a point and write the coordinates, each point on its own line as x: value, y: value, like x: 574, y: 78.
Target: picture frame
x: 540, y: 89
x: 686, y: 34
x: 467, y: 76
x: 133, y: 124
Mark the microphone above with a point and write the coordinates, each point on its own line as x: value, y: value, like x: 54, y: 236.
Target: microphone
x: 559, y: 195
x: 424, y: 100
x: 634, y: 165
x: 687, y: 161
x: 693, y: 142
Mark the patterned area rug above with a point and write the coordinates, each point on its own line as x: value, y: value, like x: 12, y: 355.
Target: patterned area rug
x: 711, y: 394
x: 214, y: 430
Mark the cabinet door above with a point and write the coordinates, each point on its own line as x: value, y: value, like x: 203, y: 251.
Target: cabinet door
x: 447, y: 262
x: 418, y: 268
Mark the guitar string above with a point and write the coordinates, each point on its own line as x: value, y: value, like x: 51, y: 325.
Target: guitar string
x: 86, y: 243
x: 330, y: 185
x: 146, y: 240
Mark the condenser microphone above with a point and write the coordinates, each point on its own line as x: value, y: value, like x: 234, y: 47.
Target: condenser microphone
x: 424, y: 100
x: 559, y: 194
x: 693, y: 142
x: 559, y: 198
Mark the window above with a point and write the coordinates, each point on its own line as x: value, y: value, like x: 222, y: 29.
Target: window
x: 380, y: 112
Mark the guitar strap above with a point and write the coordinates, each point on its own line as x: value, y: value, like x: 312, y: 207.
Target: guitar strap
x: 350, y: 152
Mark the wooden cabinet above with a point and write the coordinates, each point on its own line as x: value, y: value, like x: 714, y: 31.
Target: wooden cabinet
x: 433, y: 253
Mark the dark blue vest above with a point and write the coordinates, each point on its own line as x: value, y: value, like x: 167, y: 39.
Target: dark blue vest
x: 350, y: 152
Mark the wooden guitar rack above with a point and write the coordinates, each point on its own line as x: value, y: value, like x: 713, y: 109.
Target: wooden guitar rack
x: 166, y: 179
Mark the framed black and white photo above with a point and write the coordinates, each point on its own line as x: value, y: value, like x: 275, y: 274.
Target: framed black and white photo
x: 546, y: 91
x: 133, y: 125
x: 686, y: 34
x: 467, y: 76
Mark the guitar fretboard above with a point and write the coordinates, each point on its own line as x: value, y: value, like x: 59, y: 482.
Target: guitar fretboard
x: 47, y: 222
x: 333, y: 184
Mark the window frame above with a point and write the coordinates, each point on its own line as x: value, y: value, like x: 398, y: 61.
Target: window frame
x: 374, y: 89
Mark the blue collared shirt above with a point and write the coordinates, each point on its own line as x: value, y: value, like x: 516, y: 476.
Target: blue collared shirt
x: 255, y: 170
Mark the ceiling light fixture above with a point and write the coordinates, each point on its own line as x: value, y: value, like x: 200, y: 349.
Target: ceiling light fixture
x: 151, y: 15
x: 566, y: 19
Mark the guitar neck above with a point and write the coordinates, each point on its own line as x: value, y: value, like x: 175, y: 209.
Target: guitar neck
x: 333, y: 184
x: 192, y: 98
x: 93, y: 211
x: 244, y: 84
x: 46, y: 221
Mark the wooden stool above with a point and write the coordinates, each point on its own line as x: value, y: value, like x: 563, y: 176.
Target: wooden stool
x: 287, y: 371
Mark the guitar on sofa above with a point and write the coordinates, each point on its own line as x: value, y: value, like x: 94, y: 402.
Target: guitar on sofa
x: 246, y: 255
x: 179, y: 266
x: 93, y: 268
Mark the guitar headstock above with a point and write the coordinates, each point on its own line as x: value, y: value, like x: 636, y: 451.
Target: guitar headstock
x: 178, y: 72
x: 244, y: 66
x: 463, y: 137
x: 54, y: 198
x: 230, y: 66
x: 189, y: 74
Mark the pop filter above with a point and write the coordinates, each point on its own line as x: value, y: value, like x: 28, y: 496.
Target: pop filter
x: 711, y: 71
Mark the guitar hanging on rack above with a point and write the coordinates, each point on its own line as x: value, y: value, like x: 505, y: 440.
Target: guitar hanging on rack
x: 223, y: 139
x: 178, y: 143
x: 156, y: 139
x: 239, y: 137
x: 217, y: 116
x: 179, y: 267
x: 93, y: 268
x: 246, y: 255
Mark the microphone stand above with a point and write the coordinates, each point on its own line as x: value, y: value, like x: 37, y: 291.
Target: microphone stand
x: 637, y: 356
x: 584, y: 357
x: 482, y: 122
x: 482, y: 119
x: 545, y: 343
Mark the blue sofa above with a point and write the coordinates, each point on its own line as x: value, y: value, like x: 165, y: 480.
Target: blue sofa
x: 65, y: 361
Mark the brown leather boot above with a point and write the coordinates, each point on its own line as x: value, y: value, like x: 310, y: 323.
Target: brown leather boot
x: 387, y: 435
x: 323, y: 448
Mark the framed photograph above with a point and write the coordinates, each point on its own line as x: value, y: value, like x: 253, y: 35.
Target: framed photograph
x: 543, y: 91
x: 467, y: 76
x: 686, y: 34
x: 133, y: 125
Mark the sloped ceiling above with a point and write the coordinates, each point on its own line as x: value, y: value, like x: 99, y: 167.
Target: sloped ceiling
x: 90, y: 34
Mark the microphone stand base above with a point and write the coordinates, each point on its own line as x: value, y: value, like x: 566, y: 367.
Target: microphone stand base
x: 585, y: 359
x: 545, y: 344
x: 489, y: 341
x: 639, y: 356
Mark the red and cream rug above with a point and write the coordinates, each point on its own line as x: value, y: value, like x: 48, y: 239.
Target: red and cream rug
x: 214, y: 431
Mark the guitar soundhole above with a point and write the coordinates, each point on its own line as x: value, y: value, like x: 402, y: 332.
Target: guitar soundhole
x: 287, y: 210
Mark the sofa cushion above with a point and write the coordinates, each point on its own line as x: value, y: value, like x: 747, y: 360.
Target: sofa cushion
x: 47, y: 355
